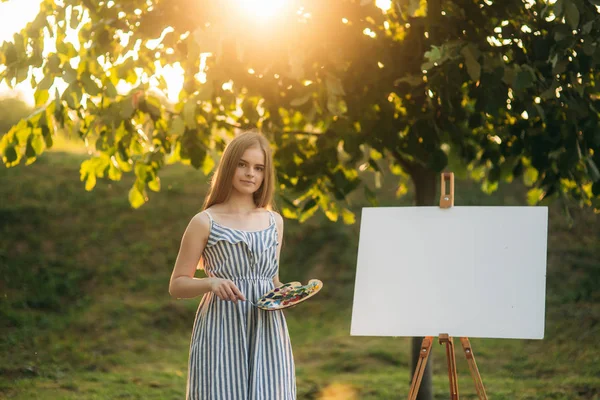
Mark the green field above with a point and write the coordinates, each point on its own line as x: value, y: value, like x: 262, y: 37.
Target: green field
x: 85, y: 311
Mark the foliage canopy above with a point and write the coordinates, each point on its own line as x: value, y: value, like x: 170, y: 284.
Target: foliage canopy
x: 493, y: 90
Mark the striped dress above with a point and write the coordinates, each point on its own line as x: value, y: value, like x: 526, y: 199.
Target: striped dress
x: 237, y: 351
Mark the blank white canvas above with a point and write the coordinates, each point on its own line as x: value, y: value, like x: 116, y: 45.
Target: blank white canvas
x: 464, y: 271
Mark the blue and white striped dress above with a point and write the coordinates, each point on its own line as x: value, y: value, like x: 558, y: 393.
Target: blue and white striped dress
x: 237, y: 351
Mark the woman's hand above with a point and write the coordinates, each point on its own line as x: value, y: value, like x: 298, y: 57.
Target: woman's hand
x: 226, y: 290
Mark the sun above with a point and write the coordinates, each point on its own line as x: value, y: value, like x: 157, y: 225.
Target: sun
x: 262, y: 8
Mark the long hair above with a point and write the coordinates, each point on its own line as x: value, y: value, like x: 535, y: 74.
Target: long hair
x: 222, y: 180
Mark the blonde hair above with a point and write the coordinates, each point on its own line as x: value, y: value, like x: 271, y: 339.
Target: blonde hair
x: 221, y: 182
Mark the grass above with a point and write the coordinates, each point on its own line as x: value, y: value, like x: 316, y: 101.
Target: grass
x: 85, y: 312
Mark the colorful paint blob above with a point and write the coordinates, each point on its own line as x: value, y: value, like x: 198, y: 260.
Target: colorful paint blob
x: 288, y: 295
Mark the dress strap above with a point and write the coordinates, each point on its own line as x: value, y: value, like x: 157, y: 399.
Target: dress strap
x: 272, y: 217
x: 209, y: 216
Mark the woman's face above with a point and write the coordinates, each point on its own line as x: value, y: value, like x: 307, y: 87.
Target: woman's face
x: 250, y: 171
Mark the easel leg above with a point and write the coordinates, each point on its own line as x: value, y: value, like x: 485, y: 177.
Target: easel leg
x: 473, y: 367
x: 451, y: 358
x: 418, y: 375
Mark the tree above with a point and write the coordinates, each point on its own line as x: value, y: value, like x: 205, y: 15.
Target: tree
x: 492, y: 90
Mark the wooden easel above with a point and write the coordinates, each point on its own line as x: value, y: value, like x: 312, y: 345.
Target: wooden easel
x: 447, y: 201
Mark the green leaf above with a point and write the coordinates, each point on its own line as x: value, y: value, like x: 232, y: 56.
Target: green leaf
x: 136, y: 198
x: 36, y: 25
x: 593, y: 168
x: 47, y: 137
x: 540, y: 111
x: 114, y: 173
x: 336, y: 106
x: 370, y: 196
x: 489, y: 187
x: 417, y: 8
x: 46, y: 83
x: 154, y: 184
x: 90, y: 183
x: 22, y: 74
x: 74, y: 22
x: 559, y: 8
x: 29, y: 151
x: 523, y: 80
x: 332, y: 214
x: 177, y: 126
x: 412, y: 80
x: 589, y: 48
x: 401, y: 191
x: 197, y: 156
x: 90, y: 86
x: 206, y: 92
x: 311, y: 203
x: 11, y: 154
x: 208, y: 164
x: 300, y: 100
x: 37, y: 142
x: 127, y: 109
x: 572, y: 14
x: 41, y: 97
x: 189, y: 114
x: 87, y: 172
x: 348, y: 216
x: 434, y: 54
x: 473, y: 67
x: 66, y: 49
x: 534, y: 195
x: 110, y: 89
x: 288, y: 213
x: 530, y: 176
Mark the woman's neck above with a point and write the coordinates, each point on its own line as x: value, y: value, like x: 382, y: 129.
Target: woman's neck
x: 239, y: 203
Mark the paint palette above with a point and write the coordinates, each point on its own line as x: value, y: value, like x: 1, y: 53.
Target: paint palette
x: 288, y: 295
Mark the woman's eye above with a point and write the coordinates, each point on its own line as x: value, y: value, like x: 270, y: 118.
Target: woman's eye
x: 260, y: 168
x: 240, y: 164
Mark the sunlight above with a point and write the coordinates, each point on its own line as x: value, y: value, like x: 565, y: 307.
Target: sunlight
x: 384, y: 4
x: 338, y: 391
x: 262, y: 8
x: 15, y: 14
x: 173, y: 75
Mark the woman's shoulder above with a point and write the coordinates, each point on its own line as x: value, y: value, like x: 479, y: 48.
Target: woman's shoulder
x: 200, y: 222
x: 278, y: 218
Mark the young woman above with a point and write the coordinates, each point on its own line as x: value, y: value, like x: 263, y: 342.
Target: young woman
x: 237, y: 351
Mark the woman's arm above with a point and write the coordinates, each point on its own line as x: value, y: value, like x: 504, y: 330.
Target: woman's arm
x: 279, y: 223
x: 183, y: 284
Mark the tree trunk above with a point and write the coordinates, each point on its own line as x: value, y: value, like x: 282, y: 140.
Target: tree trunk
x: 424, y: 181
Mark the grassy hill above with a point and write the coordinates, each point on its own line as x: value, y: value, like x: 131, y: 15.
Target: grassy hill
x: 85, y: 311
